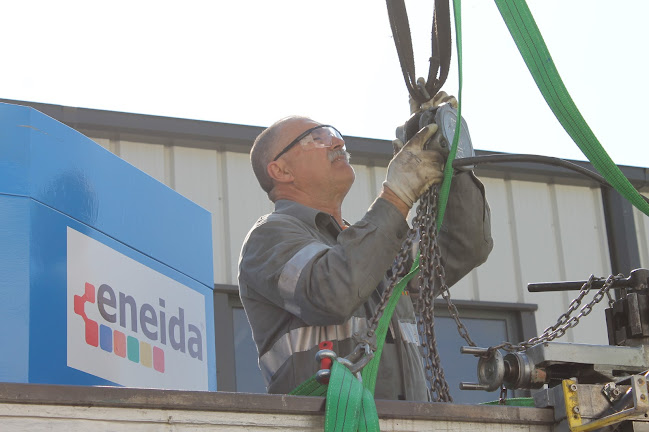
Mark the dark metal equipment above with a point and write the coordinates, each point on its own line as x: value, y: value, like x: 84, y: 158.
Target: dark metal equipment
x: 627, y: 321
x: 590, y: 387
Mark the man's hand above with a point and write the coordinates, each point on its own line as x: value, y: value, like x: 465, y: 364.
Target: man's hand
x: 413, y: 170
x: 440, y: 98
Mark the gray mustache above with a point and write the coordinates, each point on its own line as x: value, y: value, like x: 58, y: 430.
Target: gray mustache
x: 336, y: 153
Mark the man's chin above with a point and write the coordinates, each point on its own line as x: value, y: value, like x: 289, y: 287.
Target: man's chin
x: 352, y: 174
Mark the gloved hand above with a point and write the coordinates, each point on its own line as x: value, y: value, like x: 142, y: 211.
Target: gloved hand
x: 413, y: 170
x: 440, y: 98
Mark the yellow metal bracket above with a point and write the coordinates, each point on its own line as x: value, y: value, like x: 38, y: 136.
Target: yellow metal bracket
x: 572, y: 403
x: 573, y: 411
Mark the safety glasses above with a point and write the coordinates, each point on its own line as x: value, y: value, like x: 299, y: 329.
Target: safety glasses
x: 317, y: 137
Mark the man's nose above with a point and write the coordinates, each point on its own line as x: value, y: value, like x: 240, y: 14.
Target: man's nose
x: 337, y: 143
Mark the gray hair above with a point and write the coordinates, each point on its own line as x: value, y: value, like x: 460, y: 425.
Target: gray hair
x: 261, y: 153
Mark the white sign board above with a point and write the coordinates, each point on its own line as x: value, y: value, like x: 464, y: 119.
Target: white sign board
x: 130, y: 324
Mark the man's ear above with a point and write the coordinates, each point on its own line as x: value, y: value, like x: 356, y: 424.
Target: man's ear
x: 278, y: 171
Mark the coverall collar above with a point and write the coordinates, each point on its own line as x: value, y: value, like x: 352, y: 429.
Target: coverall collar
x: 315, y: 218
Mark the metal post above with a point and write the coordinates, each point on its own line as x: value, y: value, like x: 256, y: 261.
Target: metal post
x: 621, y: 232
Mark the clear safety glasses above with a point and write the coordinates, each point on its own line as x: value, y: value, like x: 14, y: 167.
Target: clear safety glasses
x: 317, y: 137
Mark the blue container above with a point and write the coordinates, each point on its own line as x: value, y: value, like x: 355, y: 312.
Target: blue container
x: 106, y: 274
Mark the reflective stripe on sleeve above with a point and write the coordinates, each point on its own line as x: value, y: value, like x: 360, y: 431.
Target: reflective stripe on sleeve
x: 303, y: 339
x: 291, y: 273
x: 409, y: 332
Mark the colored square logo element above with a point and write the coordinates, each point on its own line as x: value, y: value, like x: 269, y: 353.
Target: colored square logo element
x: 106, y: 338
x: 133, y: 349
x: 119, y: 340
x: 158, y: 359
x: 145, y: 354
x: 92, y: 333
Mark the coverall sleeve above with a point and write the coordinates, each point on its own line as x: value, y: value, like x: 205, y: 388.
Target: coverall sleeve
x: 321, y: 283
x: 465, y: 236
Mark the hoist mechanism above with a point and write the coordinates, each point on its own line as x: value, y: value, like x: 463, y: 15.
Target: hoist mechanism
x: 445, y: 117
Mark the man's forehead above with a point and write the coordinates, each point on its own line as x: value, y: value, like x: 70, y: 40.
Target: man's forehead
x: 292, y: 128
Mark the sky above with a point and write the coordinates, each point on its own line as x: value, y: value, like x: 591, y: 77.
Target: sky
x: 253, y: 62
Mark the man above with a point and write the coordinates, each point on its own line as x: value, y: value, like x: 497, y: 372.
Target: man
x: 306, y: 276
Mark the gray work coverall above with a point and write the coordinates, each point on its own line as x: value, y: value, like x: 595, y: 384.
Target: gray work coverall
x: 304, y: 280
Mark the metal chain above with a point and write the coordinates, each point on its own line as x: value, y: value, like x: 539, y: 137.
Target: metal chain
x: 566, y: 320
x: 398, y: 267
x: 444, y: 289
x: 430, y: 271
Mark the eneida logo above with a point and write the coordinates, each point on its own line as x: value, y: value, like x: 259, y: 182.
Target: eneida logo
x: 154, y: 326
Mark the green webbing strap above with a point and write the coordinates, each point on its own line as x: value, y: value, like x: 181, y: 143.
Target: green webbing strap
x: 519, y: 401
x: 448, y: 169
x: 370, y: 371
x: 310, y: 387
x: 337, y: 400
x: 530, y: 43
x: 350, y: 406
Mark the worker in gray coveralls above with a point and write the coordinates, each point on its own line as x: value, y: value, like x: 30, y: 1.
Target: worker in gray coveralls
x: 307, y: 276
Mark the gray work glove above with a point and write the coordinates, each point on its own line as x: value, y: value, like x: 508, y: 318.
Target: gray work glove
x: 413, y: 170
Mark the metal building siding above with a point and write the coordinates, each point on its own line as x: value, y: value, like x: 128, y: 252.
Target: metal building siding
x: 361, y: 194
x: 582, y: 242
x: 499, y: 278
x: 542, y: 232
x: 379, y: 174
x: 198, y: 175
x: 245, y: 203
x: 150, y: 158
x: 104, y: 142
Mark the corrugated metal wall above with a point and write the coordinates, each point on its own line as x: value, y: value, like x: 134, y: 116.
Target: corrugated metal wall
x: 542, y: 232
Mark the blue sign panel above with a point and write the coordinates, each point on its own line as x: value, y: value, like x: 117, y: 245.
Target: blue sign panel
x: 105, y: 273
